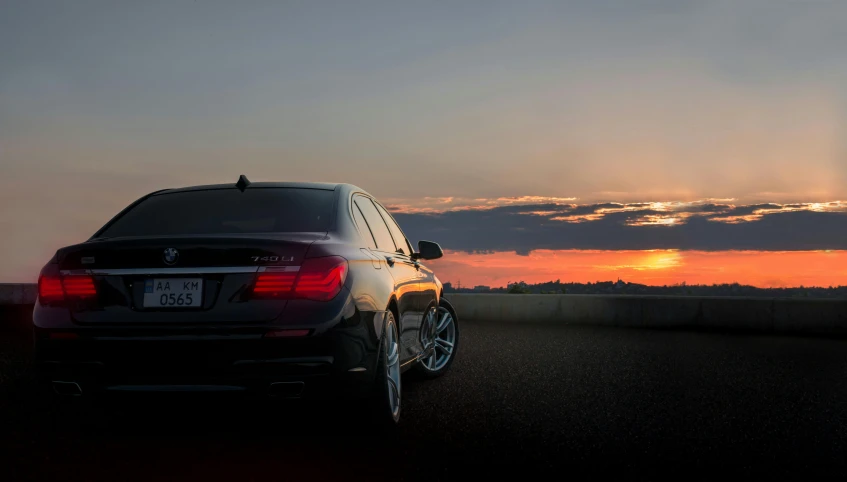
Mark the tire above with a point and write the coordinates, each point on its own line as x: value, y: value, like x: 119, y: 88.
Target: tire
x: 449, y: 333
x: 384, y: 411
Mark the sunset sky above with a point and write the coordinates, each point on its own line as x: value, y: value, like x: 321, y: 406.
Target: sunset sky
x: 656, y: 141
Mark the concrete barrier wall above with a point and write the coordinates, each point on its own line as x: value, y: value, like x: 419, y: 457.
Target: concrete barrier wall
x: 826, y: 317
x: 18, y: 293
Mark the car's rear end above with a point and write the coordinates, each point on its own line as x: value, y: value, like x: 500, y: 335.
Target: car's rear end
x: 215, y: 289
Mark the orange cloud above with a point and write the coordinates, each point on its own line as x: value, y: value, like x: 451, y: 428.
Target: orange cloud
x: 445, y: 204
x: 578, y: 218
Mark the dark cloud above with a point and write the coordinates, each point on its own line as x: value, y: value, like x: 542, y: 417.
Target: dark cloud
x: 750, y: 209
x: 707, y: 208
x: 532, y: 208
x: 703, y: 227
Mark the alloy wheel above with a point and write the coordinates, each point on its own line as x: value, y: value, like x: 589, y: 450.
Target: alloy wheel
x: 392, y: 369
x: 442, y: 339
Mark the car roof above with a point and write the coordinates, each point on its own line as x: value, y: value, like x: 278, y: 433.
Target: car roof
x: 259, y: 185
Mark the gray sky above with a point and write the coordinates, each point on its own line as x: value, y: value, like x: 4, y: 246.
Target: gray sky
x: 101, y: 102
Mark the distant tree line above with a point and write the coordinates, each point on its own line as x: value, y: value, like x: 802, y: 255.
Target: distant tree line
x: 624, y: 288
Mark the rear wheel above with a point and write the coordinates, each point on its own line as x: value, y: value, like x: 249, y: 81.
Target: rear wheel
x: 387, y: 398
x: 441, y: 340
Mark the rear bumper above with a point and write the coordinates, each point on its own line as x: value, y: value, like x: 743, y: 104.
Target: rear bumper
x: 339, y: 363
x: 283, y: 377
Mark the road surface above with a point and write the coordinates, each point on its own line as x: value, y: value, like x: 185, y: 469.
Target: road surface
x: 537, y: 399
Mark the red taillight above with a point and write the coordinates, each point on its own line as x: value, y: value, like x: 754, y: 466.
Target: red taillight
x: 321, y: 279
x: 275, y: 285
x: 50, y: 288
x: 318, y: 279
x: 79, y: 286
x: 57, y: 288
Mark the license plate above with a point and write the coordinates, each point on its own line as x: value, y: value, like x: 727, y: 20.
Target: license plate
x: 173, y: 293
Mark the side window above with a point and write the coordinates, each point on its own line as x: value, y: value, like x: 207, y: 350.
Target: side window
x: 377, y: 225
x: 363, y: 227
x: 399, y: 238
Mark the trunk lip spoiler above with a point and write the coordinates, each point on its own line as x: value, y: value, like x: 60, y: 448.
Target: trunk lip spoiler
x: 180, y: 270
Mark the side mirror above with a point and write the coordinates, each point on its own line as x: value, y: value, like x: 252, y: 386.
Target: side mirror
x: 428, y: 250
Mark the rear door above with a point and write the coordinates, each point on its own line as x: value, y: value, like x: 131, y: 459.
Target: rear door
x: 405, y: 273
x: 426, y: 278
x: 193, y: 256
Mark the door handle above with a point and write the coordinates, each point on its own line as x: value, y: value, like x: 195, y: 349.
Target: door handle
x: 389, y: 260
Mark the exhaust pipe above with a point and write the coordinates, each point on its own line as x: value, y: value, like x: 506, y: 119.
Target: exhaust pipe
x: 286, y: 389
x: 67, y: 388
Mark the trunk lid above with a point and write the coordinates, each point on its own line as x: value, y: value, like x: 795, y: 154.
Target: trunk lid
x: 220, y: 270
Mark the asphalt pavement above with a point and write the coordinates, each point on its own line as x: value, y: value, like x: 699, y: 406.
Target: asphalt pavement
x: 520, y: 400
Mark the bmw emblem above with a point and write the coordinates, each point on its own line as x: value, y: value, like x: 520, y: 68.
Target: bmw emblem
x: 170, y: 256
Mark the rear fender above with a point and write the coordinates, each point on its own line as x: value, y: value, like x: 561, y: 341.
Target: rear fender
x: 379, y: 322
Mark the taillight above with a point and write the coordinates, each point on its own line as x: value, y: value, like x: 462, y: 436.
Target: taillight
x: 77, y: 286
x: 321, y: 279
x: 53, y: 288
x: 50, y: 288
x: 275, y: 285
x: 318, y: 279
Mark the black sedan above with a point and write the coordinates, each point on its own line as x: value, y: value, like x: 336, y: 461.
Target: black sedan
x: 293, y: 290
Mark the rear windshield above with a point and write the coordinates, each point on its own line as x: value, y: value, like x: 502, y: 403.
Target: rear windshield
x: 227, y: 211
